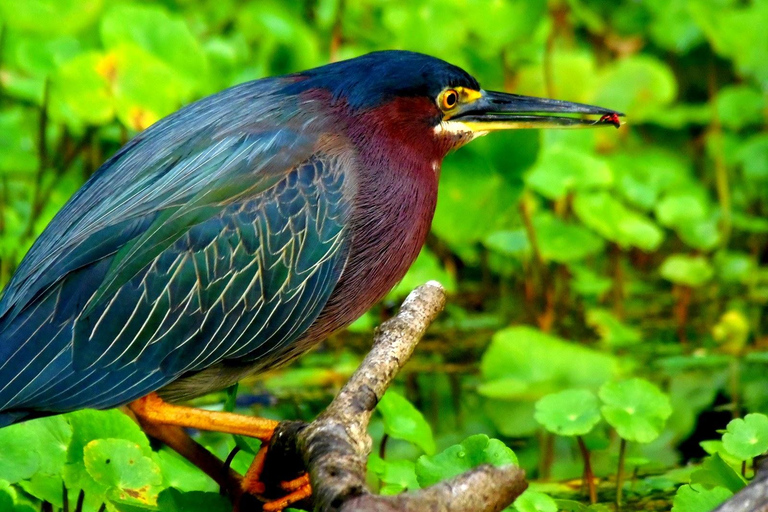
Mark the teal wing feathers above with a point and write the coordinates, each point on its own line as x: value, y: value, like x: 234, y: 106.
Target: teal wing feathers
x: 190, y: 247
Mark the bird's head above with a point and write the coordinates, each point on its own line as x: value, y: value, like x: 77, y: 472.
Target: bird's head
x: 420, y: 98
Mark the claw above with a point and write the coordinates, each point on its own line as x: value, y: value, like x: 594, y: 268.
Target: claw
x: 298, y: 489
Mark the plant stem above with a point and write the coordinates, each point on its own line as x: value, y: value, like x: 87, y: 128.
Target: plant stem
x: 42, y: 154
x: 547, y: 454
x: 64, y: 498
x: 589, y: 476
x: 682, y: 305
x: 620, y: 472
x: 721, y: 170
x: 744, y: 469
x: 80, y: 500
x: 383, y: 446
x: 617, y: 291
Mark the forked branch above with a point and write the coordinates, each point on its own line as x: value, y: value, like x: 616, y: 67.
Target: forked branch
x: 334, y: 448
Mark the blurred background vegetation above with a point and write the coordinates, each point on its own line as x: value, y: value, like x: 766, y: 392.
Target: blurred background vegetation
x: 572, y: 258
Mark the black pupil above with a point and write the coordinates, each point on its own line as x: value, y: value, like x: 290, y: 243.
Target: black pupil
x: 450, y: 100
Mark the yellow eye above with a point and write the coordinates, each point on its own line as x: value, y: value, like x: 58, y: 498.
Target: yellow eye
x: 449, y: 99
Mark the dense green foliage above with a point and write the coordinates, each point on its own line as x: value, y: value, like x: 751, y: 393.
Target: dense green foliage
x: 628, y: 266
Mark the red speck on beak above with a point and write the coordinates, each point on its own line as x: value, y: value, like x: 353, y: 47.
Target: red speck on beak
x: 611, y: 119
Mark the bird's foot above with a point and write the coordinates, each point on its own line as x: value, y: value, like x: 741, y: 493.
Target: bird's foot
x: 297, y: 489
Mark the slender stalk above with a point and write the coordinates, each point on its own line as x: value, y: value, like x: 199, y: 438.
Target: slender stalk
x: 744, y: 469
x: 3, y: 32
x: 617, y: 291
x: 80, y: 501
x: 721, y: 170
x: 589, y: 476
x: 337, y: 36
x: 383, y: 446
x: 541, y: 275
x: 64, y: 498
x: 42, y: 165
x: 547, y: 455
x: 620, y: 472
x: 46, y: 506
x: 684, y: 295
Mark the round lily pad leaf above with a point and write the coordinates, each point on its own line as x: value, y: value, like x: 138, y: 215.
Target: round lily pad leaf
x: 121, y: 465
x: 690, y: 271
x: 636, y: 408
x: 572, y: 412
x: 747, y: 437
x: 456, y: 459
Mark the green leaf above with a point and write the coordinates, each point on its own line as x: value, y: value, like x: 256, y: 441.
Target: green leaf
x: 403, y: 421
x: 509, y: 243
x: 734, y: 267
x: 50, y: 17
x: 572, y: 412
x: 533, y: 501
x: 587, y: 283
x: 740, y: 106
x: 522, y: 364
x: 714, y: 472
x: 636, y: 408
x: 613, y: 332
x: 455, y: 460
x: 181, y: 474
x: 162, y: 35
x: 80, y: 92
x: 614, y: 221
x: 171, y: 500
x: 564, y: 242
x: 396, y: 475
x: 563, y: 169
x: 640, y: 86
x: 687, y: 270
x: 677, y: 209
x: 753, y: 157
x: 17, y: 460
x: 121, y: 466
x: 695, y: 498
x: 471, y: 179
x: 427, y: 267
x: 747, y: 437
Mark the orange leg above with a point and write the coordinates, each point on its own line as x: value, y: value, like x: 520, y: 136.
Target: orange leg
x: 153, y: 409
x: 161, y: 419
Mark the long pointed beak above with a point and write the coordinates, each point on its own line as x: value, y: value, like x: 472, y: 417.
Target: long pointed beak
x: 504, y: 111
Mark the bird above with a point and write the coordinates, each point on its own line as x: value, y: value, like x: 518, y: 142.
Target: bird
x: 236, y: 233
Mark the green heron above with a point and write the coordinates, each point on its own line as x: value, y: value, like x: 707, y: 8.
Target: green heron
x: 238, y: 232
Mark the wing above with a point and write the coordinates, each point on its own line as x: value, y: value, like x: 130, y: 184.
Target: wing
x: 238, y: 286
x: 183, y: 170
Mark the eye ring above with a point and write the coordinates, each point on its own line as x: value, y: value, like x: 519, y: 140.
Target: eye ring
x: 449, y: 99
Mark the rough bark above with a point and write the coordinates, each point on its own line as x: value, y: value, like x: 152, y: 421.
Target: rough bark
x: 334, y: 448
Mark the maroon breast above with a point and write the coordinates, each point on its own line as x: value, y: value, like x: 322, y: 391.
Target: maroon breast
x: 399, y: 160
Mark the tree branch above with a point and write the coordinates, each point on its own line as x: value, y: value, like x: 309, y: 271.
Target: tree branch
x: 334, y: 448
